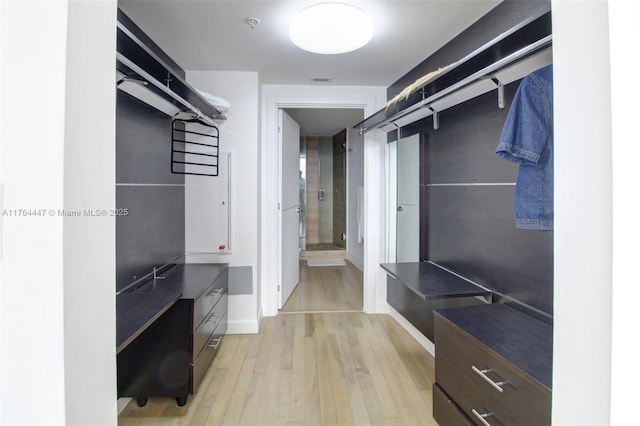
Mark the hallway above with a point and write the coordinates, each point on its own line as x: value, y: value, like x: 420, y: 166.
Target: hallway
x: 317, y: 369
x: 326, y: 288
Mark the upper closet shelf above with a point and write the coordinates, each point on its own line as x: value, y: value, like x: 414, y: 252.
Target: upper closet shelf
x: 507, y: 58
x: 144, y: 71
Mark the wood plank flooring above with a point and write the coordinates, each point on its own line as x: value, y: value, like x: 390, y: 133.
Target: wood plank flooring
x: 339, y: 368
x: 324, y: 254
x: 326, y: 288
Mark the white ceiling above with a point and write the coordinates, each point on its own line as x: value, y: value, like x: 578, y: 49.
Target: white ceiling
x: 214, y: 35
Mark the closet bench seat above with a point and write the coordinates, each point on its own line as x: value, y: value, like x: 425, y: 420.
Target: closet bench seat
x: 428, y: 281
x: 416, y: 289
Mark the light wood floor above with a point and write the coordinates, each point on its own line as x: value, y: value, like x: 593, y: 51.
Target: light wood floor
x: 323, y: 254
x: 308, y: 369
x: 326, y: 288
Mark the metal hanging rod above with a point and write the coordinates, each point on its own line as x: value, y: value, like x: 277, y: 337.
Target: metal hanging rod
x: 482, y: 74
x: 197, y: 114
x: 159, y: 79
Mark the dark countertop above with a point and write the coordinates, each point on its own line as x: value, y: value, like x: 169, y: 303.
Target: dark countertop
x: 140, y: 307
x: 431, y: 282
x: 521, y: 339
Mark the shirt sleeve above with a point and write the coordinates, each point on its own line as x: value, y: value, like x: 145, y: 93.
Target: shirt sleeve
x: 526, y: 129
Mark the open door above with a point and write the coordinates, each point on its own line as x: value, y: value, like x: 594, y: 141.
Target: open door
x: 289, y: 142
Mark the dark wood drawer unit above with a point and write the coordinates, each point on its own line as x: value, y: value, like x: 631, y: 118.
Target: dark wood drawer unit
x: 445, y: 411
x: 172, y: 355
x: 206, y: 300
x: 494, y: 362
x: 201, y: 364
x: 202, y: 334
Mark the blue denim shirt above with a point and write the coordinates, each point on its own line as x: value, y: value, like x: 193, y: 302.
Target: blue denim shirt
x: 527, y: 139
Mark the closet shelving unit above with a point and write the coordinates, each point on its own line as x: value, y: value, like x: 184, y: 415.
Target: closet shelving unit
x: 508, y: 57
x: 493, y: 351
x: 145, y: 72
x: 138, y: 63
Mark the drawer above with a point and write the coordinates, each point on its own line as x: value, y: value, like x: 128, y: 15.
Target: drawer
x: 469, y: 399
x: 206, y: 301
x: 199, y: 368
x: 203, y: 332
x: 519, y: 398
x: 445, y: 411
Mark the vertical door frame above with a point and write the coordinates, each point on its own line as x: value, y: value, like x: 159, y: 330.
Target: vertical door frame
x: 374, y: 280
x: 280, y: 167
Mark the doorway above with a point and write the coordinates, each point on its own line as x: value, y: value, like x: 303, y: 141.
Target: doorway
x: 328, y: 281
x: 323, y: 185
x: 365, y: 99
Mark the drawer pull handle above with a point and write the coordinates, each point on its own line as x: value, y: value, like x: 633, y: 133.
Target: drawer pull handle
x: 482, y: 417
x: 216, y: 292
x: 214, y: 343
x: 482, y: 373
x: 213, y: 318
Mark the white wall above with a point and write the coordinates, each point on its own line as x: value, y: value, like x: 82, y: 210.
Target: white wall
x: 355, y: 178
x: 624, y: 38
x: 89, y: 242
x: 239, y: 135
x: 58, y: 152
x: 32, y: 246
x: 583, y: 220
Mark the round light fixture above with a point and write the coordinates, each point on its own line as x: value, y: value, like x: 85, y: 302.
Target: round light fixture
x: 331, y: 28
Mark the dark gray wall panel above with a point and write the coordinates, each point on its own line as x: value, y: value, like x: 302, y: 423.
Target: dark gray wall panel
x: 143, y: 138
x: 471, y: 231
x: 462, y: 150
x: 153, y: 231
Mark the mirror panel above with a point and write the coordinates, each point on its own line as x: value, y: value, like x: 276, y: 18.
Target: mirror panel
x: 403, y: 201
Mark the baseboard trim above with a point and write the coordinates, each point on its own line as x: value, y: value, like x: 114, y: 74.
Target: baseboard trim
x: 414, y: 332
x: 382, y: 308
x: 122, y: 403
x: 356, y: 261
x: 243, y: 327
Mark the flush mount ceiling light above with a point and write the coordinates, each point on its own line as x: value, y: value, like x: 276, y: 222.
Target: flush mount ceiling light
x: 331, y: 28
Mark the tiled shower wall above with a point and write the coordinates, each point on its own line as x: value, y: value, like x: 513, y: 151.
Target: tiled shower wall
x: 319, y: 213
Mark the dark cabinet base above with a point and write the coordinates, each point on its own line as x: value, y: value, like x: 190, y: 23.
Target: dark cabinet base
x: 156, y: 364
x: 493, y: 366
x: 172, y: 355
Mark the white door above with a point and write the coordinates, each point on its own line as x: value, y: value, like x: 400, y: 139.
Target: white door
x: 408, y: 204
x: 289, y: 140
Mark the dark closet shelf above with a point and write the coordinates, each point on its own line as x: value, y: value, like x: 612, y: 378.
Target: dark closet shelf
x: 523, y: 41
x: 141, y: 61
x: 138, y: 308
x: 432, y: 282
